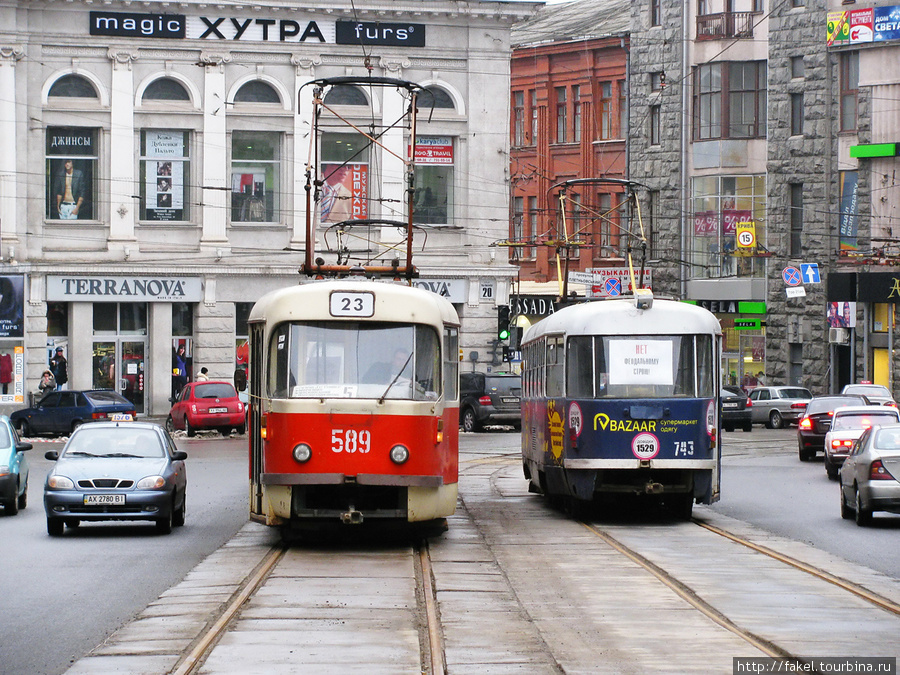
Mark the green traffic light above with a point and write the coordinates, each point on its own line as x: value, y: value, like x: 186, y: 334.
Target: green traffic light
x: 503, y: 334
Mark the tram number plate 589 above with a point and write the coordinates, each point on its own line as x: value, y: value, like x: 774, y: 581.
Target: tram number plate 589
x: 351, y: 440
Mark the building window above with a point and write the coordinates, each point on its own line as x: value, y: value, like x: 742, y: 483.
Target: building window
x: 655, y: 124
x: 532, y: 227
x: 165, y: 89
x: 57, y: 319
x: 849, y: 90
x: 656, y: 12
x: 730, y: 100
x: 72, y: 86
x: 623, y: 109
x: 576, y: 114
x: 71, y: 166
x: 518, y: 119
x: 433, y: 199
x: 345, y: 94
x: 257, y: 91
x: 796, y: 114
x: 561, y: 115
x: 604, y: 111
x: 798, y: 67
x: 534, y: 116
x: 345, y: 170
x: 255, y: 176
x: 796, y: 219
x: 182, y: 319
x: 518, y: 226
x: 437, y: 98
x: 165, y: 175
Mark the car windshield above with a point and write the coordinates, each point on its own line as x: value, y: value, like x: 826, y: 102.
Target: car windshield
x: 214, y: 390
x: 105, y: 398
x: 794, y: 393
x: 822, y: 405
x: 862, y: 420
x: 114, y: 442
x: 867, y: 390
x: 5, y: 439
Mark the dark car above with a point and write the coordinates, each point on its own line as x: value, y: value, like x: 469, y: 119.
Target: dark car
x: 13, y: 469
x: 492, y: 398
x: 736, y: 409
x: 207, y: 405
x: 61, y: 412
x: 816, y: 422
x: 116, y: 471
x: 870, y: 476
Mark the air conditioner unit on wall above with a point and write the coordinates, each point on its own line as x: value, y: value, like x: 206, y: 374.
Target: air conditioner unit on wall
x: 839, y: 336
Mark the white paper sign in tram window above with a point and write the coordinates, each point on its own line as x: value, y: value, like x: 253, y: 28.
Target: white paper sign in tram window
x: 641, y: 362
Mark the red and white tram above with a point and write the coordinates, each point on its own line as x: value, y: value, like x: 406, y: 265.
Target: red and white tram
x: 354, y: 404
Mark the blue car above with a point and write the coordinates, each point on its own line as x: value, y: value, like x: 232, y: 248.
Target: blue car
x: 116, y: 471
x: 61, y: 412
x: 13, y: 469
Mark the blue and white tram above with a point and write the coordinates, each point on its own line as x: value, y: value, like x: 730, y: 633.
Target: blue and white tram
x: 621, y: 397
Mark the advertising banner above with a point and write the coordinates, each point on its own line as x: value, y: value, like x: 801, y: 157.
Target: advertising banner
x: 164, y: 179
x: 345, y: 194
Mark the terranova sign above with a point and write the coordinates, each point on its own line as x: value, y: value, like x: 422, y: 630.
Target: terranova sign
x: 124, y: 289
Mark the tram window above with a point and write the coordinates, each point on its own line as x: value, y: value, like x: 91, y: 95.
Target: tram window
x: 555, y: 363
x: 451, y: 363
x: 580, y: 367
x: 705, y: 365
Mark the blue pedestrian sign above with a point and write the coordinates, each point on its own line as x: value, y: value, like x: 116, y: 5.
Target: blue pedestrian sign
x: 791, y: 276
x: 613, y: 287
x: 810, y: 273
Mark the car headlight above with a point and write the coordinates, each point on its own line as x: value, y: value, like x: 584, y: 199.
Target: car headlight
x: 60, y: 483
x: 151, y: 483
x: 4, y: 470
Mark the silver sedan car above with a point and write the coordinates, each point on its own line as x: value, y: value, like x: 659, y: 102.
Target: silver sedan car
x: 777, y: 406
x: 869, y: 475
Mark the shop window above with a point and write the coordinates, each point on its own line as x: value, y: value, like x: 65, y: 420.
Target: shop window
x: 255, y: 176
x: 126, y: 318
x: 57, y: 319
x: 344, y: 94
x: 433, y: 200
x: 165, y: 89
x: 257, y: 91
x: 165, y: 175
x: 73, y: 86
x: 345, y: 170
x: 182, y: 319
x: 71, y: 166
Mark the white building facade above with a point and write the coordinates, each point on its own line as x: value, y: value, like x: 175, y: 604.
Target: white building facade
x: 153, y: 173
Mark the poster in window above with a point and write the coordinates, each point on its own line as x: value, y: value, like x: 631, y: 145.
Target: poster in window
x: 70, y: 167
x: 248, y: 196
x: 164, y: 176
x: 345, y: 195
x: 12, y: 302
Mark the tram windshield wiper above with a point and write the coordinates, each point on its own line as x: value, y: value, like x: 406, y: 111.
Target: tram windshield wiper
x: 396, y: 377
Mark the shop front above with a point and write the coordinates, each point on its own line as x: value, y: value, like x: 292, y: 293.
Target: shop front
x: 743, y: 341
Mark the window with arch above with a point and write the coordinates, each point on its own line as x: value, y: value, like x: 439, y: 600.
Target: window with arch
x: 345, y: 94
x: 257, y: 91
x: 437, y: 98
x: 73, y: 86
x: 166, y: 89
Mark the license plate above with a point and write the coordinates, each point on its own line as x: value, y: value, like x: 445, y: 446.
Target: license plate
x: 120, y: 417
x: 730, y: 405
x: 509, y: 399
x: 218, y: 410
x: 104, y: 500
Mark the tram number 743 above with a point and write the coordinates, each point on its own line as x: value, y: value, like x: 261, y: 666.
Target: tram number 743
x: 350, y: 440
x: 684, y: 448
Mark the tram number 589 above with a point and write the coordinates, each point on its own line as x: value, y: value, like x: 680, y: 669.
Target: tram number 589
x: 350, y: 440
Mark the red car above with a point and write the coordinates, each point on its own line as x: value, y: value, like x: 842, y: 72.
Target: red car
x: 207, y: 405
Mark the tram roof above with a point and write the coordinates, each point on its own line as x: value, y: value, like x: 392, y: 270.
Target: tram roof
x: 394, y: 301
x: 622, y: 317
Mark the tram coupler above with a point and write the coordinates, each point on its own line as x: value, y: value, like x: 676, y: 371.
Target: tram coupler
x: 352, y: 517
x: 654, y: 488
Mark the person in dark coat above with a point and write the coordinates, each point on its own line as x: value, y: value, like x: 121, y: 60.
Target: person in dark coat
x: 59, y: 366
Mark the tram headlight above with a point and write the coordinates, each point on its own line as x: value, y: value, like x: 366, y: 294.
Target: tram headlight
x: 302, y: 453
x: 399, y: 454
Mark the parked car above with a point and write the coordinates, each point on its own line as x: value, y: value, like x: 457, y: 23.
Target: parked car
x: 777, y: 406
x: 870, y: 476
x: 816, y: 422
x: 736, y: 409
x: 13, y: 469
x: 61, y: 412
x: 116, y: 471
x: 876, y: 393
x: 207, y: 405
x: 492, y: 398
x: 847, y: 424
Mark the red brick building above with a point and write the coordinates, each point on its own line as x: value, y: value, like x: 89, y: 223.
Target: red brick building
x: 569, y: 116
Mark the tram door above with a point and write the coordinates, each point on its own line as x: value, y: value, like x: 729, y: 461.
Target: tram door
x: 118, y: 364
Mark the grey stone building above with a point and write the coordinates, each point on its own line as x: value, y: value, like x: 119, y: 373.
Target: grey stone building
x: 152, y: 172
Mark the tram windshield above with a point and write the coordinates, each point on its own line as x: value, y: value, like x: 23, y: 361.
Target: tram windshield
x: 635, y: 366
x: 353, y: 360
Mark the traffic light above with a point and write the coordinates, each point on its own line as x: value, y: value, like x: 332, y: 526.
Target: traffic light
x: 503, y: 323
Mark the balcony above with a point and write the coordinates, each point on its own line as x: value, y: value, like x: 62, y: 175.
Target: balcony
x: 725, y: 26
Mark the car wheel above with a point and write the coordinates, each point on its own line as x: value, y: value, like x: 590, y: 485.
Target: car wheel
x: 11, y: 507
x: 806, y: 455
x: 22, y: 501
x: 776, y: 421
x: 863, y: 516
x: 23, y: 428
x: 188, y: 429
x: 170, y: 424
x: 748, y: 426
x: 846, y: 511
x: 76, y: 424
x: 54, y: 527
x: 164, y: 525
x: 241, y: 430
x: 831, y: 468
x: 225, y: 431
x: 469, y: 421
x: 178, y: 517
x: 727, y: 427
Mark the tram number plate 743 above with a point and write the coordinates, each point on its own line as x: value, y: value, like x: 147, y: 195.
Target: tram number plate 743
x: 684, y: 448
x: 351, y: 440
